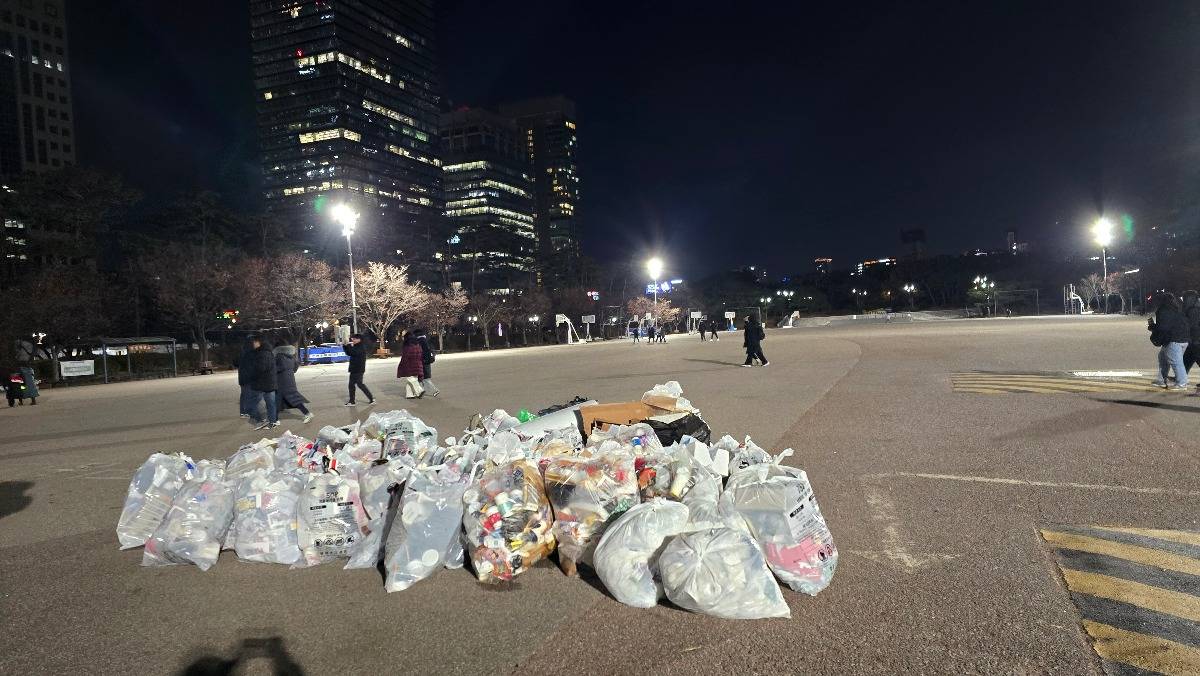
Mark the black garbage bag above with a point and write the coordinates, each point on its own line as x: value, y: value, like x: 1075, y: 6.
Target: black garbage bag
x: 672, y: 427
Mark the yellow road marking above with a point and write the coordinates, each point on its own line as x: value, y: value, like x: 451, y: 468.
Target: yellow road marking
x: 1166, y: 601
x: 1090, y: 386
x: 1181, y: 536
x: 1142, y: 651
x: 1144, y: 555
x: 1040, y: 388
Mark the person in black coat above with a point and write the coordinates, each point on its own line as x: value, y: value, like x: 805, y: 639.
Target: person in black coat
x: 1169, y: 331
x: 753, y: 342
x: 263, y: 383
x: 287, y: 395
x: 428, y: 356
x: 357, y: 351
x: 245, y: 366
x: 1191, y: 314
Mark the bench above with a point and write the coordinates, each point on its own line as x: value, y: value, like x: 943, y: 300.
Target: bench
x: 204, y: 367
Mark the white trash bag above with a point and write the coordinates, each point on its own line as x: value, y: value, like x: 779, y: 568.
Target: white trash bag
x: 720, y: 572
x: 429, y: 518
x: 379, y: 497
x: 265, y: 526
x: 200, y: 515
x: 150, y: 494
x: 778, y: 504
x: 627, y: 558
x: 331, y: 518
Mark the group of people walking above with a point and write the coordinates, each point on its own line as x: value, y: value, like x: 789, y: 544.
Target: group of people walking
x: 267, y: 375
x: 1175, y: 330
x: 707, y: 328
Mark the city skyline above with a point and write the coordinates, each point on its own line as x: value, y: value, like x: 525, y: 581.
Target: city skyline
x: 830, y: 147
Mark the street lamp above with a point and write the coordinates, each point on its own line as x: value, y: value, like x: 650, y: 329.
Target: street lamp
x: 654, y: 266
x: 1102, y: 232
x: 910, y: 289
x: 347, y: 217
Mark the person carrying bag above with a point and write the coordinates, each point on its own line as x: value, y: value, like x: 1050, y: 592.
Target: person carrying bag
x: 411, y: 368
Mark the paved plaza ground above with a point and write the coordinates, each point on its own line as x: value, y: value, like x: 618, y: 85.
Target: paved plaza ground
x: 964, y: 468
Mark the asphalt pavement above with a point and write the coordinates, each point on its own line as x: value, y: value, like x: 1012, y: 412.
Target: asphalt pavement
x: 941, y: 454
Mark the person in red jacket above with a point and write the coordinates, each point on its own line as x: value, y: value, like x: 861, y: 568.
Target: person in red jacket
x: 412, y: 363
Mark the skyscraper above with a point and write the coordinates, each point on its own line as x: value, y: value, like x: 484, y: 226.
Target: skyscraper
x: 549, y: 129
x: 489, y: 201
x: 347, y: 108
x: 37, y: 132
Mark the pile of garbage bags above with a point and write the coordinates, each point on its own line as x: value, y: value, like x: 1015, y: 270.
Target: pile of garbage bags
x: 636, y: 491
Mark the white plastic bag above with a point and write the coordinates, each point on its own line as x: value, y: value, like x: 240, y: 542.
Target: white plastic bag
x: 149, y: 498
x: 265, y: 526
x: 200, y: 515
x: 708, y: 506
x: 720, y: 572
x: 627, y: 558
x: 379, y: 496
x: 331, y: 518
x: 778, y: 504
x: 430, y: 516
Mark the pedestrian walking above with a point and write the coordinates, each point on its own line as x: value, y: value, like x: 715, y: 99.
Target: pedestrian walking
x: 1191, y: 314
x: 650, y: 334
x: 662, y: 334
x: 1169, y: 332
x: 428, y: 357
x: 753, y: 343
x: 636, y: 330
x: 712, y: 325
x: 411, y: 368
x: 702, y: 329
x: 287, y: 394
x: 263, y: 384
x: 357, y: 351
x: 245, y: 366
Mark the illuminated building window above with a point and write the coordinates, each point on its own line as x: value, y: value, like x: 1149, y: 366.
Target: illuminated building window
x: 466, y: 166
x: 268, y: 95
x: 405, y: 152
x: 570, y: 125
x: 328, y: 134
x: 376, y: 108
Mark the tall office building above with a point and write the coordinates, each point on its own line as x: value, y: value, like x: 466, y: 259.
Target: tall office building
x: 37, y: 132
x: 489, y: 201
x: 347, y: 108
x: 549, y: 129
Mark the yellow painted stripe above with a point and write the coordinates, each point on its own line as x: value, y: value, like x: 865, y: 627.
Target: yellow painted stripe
x: 1090, y: 386
x: 1143, y: 555
x: 1124, y: 384
x: 1142, y: 651
x: 981, y: 390
x: 1166, y: 601
x: 1181, y: 536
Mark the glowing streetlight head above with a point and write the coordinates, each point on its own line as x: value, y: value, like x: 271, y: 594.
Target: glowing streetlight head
x: 1102, y: 231
x: 654, y: 266
x: 342, y: 213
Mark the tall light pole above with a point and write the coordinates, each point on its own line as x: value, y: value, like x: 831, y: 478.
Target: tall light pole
x: 910, y: 289
x: 1102, y: 231
x: 654, y: 266
x: 343, y: 214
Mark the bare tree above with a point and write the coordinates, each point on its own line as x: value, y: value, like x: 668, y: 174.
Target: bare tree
x: 192, y: 284
x: 301, y: 290
x: 1091, y: 288
x: 64, y: 303
x: 1115, y: 284
x: 529, y: 303
x: 384, y: 295
x: 441, y: 310
x: 488, y: 309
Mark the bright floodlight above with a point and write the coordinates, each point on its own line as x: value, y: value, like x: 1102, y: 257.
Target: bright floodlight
x: 1103, y: 232
x: 654, y: 266
x: 342, y: 213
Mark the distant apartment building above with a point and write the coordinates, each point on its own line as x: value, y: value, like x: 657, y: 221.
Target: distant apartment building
x: 872, y: 265
x: 489, y: 202
x: 37, y: 129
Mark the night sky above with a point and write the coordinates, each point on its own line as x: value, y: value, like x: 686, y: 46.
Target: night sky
x: 735, y: 134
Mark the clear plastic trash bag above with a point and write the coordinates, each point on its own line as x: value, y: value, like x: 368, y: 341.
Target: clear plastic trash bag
x: 778, y: 504
x: 429, y: 518
x: 587, y: 494
x: 265, y: 525
x: 331, y: 518
x: 149, y: 497
x: 507, y: 522
x: 200, y: 515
